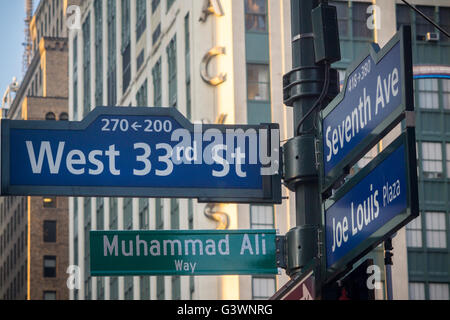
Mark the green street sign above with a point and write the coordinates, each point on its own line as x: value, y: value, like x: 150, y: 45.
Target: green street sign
x: 182, y: 252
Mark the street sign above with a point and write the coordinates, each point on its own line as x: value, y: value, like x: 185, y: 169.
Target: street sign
x: 141, y: 152
x: 378, y: 90
x: 299, y: 288
x: 181, y: 252
x: 372, y: 205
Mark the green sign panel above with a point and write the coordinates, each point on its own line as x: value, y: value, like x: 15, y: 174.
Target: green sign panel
x: 180, y: 252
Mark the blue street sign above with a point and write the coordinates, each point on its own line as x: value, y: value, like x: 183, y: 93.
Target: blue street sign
x: 376, y: 94
x: 141, y: 152
x: 373, y: 204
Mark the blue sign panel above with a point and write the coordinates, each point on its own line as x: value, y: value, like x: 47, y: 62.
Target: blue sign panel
x: 140, y: 152
x: 379, y: 200
x: 376, y: 93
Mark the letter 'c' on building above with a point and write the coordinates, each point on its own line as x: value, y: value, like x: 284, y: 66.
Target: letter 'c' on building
x: 219, y: 79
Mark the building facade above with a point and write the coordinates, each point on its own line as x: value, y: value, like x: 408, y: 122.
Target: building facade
x: 215, y: 62
x: 224, y: 61
x: 34, y: 252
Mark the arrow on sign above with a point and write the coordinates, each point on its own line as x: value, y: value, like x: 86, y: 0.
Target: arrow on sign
x: 136, y: 126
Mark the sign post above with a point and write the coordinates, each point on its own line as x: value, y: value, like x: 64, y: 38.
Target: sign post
x: 141, y: 152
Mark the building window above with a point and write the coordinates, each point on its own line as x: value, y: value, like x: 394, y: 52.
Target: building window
x: 156, y: 34
x: 436, y: 230
x: 446, y: 93
x: 342, y: 16
x: 49, y: 231
x: 100, y: 288
x: 141, y: 95
x: 114, y: 287
x: 448, y: 159
x: 112, y: 88
x: 157, y: 90
x: 263, y: 288
x: 49, y: 202
x: 444, y: 21
x: 261, y: 217
x: 187, y: 61
x: 190, y: 214
x: 140, y: 60
x: 256, y: 15
x: 128, y: 213
x: 143, y: 213
x: 159, y: 214
x: 63, y: 116
x: 128, y: 284
x: 113, y: 214
x: 49, y: 266
x: 172, y: 65
x: 432, y: 159
x: 428, y: 91
x: 258, y: 83
x: 359, y: 20
x: 169, y: 4
x: 98, y: 52
x: 176, y: 288
x: 439, y: 291
x: 49, y: 295
x: 100, y: 214
x: 141, y: 17
x: 403, y: 14
x: 87, y: 66
x: 75, y: 78
x: 155, y: 4
x: 174, y: 214
x: 422, y: 25
x: 160, y: 288
x: 414, y: 233
x: 50, y: 116
x: 416, y: 291
x: 126, y: 45
x: 145, y: 287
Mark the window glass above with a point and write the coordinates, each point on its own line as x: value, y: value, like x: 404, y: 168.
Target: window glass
x: 439, y: 291
x: 403, y: 15
x: 432, y: 159
x: 50, y: 116
x: 49, y: 295
x: 49, y: 266
x: 414, y: 233
x: 444, y: 21
x: 436, y: 231
x: 49, y: 202
x: 422, y: 25
x: 49, y: 231
x: 263, y: 288
x: 63, y: 116
x: 428, y: 93
x: 261, y: 217
x: 416, y: 291
x: 258, y: 86
x: 446, y: 93
x: 359, y: 20
x: 255, y: 15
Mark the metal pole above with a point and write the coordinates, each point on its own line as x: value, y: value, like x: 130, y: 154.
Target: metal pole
x: 388, y: 267
x: 303, y: 87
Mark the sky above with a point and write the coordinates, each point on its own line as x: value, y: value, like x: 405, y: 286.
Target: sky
x: 12, y: 25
